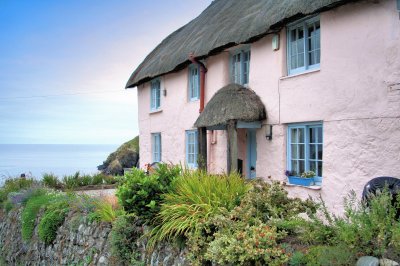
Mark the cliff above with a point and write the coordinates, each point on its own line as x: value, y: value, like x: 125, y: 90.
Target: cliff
x: 126, y: 156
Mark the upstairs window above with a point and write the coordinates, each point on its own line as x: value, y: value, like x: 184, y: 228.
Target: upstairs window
x: 191, y: 148
x: 194, y: 82
x: 156, y: 147
x: 304, y: 46
x: 305, y: 148
x: 155, y: 95
x: 240, y: 64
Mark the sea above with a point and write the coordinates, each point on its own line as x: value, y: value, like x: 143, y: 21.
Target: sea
x: 34, y: 160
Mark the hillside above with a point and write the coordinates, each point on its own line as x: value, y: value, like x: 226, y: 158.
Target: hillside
x: 126, y: 156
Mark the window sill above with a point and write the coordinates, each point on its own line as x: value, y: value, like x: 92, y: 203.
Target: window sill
x: 155, y: 111
x: 300, y: 74
x: 193, y: 100
x: 308, y: 187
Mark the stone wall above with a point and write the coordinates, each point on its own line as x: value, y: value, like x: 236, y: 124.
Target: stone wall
x: 78, y: 242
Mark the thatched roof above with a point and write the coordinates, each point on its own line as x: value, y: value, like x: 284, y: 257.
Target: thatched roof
x: 232, y: 102
x: 223, y: 24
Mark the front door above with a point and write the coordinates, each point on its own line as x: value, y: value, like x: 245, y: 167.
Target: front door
x: 251, y: 153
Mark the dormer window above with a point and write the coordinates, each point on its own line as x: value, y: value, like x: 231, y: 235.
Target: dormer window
x: 155, y: 95
x: 240, y: 64
x: 194, y: 82
x: 304, y: 45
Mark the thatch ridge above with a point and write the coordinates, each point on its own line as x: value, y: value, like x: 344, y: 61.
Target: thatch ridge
x: 232, y: 102
x: 223, y: 24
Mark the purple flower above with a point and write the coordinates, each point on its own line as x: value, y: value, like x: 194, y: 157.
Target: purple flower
x: 287, y: 173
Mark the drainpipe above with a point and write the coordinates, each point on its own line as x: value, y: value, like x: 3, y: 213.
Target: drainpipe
x: 203, y: 71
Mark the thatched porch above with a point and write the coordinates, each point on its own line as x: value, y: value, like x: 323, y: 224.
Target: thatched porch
x: 231, y: 107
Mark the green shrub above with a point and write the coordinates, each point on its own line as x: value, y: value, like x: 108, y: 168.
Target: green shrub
x: 330, y: 256
x: 72, y: 181
x: 52, y: 219
x: 50, y: 180
x: 13, y: 185
x: 241, y: 244
x: 372, y: 229
x: 264, y: 205
x: 85, y: 180
x: 195, y: 197
x: 98, y: 179
x: 298, y: 259
x: 105, y: 211
x: 29, y: 213
x: 141, y: 194
x: 123, y: 237
x: 7, y: 205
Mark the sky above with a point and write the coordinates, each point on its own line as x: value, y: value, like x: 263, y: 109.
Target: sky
x: 64, y: 66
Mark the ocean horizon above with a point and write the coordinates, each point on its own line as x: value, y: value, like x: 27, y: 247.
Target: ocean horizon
x: 34, y: 160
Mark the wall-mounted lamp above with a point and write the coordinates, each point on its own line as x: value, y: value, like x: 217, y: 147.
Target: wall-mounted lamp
x: 269, y: 134
x: 165, y: 92
x: 275, y: 42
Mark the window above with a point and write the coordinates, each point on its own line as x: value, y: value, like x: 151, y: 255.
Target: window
x: 240, y: 63
x: 155, y: 94
x: 191, y: 148
x: 156, y: 146
x: 304, y: 50
x: 194, y: 82
x: 305, y: 148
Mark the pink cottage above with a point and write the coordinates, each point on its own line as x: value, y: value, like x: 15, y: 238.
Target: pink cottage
x: 281, y: 86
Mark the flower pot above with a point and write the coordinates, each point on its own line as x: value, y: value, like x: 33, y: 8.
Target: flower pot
x: 294, y: 180
x: 318, y: 180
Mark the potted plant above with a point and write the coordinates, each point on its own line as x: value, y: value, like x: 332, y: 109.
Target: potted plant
x: 305, y: 179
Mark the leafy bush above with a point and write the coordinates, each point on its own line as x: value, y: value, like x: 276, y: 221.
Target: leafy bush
x: 141, y: 194
x: 50, y: 180
x: 124, y: 235
x: 330, y: 256
x: 30, y: 212
x: 13, y: 185
x: 72, y: 181
x: 52, y: 219
x: 372, y: 229
x: 241, y: 244
x: 195, y: 197
x: 107, y: 210
x: 264, y: 205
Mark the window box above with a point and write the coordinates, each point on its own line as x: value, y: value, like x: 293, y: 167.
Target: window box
x: 295, y: 180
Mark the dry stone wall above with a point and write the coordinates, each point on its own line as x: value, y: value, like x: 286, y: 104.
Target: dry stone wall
x: 78, y: 242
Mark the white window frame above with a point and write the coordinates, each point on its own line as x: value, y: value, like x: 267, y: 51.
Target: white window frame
x: 192, y: 147
x: 239, y: 67
x: 155, y: 94
x: 156, y: 150
x: 303, y: 24
x: 306, y: 143
x: 194, y: 82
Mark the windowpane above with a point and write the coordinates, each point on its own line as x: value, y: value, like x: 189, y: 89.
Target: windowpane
x: 295, y: 167
x: 301, y: 151
x: 293, y: 135
x: 294, y: 151
x: 320, y: 152
x: 300, y: 137
x: 319, y: 169
x: 312, y: 135
x: 302, y: 167
x: 313, y: 152
x: 313, y: 166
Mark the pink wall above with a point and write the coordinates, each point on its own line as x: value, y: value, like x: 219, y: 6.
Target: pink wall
x: 352, y: 94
